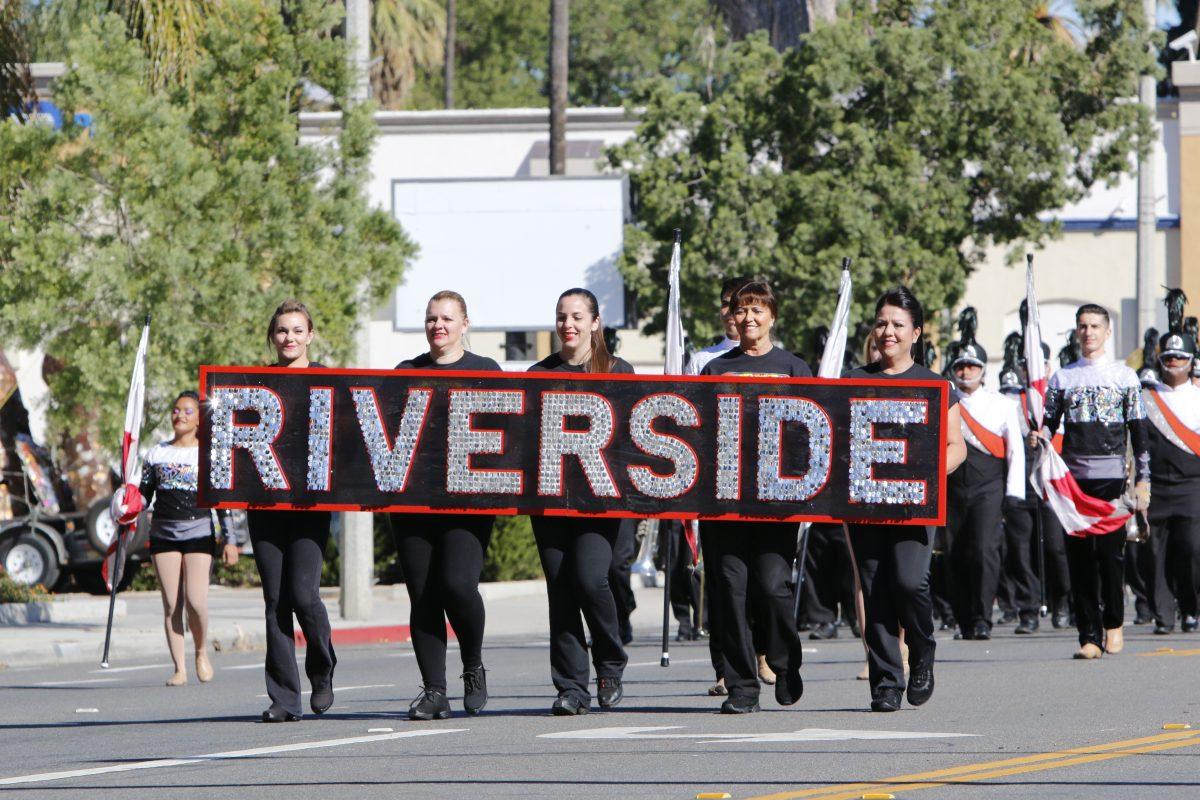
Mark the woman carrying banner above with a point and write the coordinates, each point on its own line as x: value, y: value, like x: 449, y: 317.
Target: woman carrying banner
x: 289, y: 549
x: 181, y: 537
x: 576, y: 552
x: 893, y: 560
x: 754, y: 558
x: 442, y: 554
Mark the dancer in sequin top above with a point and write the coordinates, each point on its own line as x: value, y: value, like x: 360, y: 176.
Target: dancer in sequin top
x: 1099, y: 402
x: 893, y: 560
x: 289, y: 548
x: 442, y: 554
x: 576, y: 552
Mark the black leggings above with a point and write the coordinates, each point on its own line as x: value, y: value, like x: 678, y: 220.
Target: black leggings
x: 289, y: 549
x: 1097, y: 565
x: 576, y: 555
x: 441, y: 557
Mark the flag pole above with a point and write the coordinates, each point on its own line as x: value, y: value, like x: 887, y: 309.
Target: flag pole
x: 1043, y: 610
x: 674, y: 353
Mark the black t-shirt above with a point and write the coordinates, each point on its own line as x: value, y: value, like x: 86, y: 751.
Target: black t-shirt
x: 468, y: 361
x: 914, y: 373
x: 554, y: 363
x: 776, y: 362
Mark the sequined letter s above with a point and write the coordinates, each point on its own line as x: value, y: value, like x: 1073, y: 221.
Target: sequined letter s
x: 672, y: 448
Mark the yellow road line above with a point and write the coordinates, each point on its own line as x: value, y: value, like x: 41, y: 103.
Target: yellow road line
x: 994, y: 769
x: 1167, y: 651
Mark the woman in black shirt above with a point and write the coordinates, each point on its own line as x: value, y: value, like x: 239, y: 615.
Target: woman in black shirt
x: 289, y: 548
x: 754, y: 558
x: 893, y: 560
x: 576, y: 552
x: 442, y: 554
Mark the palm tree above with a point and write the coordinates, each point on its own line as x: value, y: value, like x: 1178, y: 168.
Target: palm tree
x: 559, y: 38
x: 406, y: 36
x: 451, y: 44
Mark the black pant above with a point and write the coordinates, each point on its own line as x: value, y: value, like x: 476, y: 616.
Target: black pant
x: 1139, y: 577
x: 1175, y: 551
x: 1020, y: 531
x: 975, y: 540
x: 624, y: 551
x: 685, y: 580
x: 750, y: 563
x: 893, y: 568
x: 441, y: 557
x: 1097, y: 572
x: 828, y: 576
x: 941, y: 589
x: 289, y: 549
x: 576, y: 555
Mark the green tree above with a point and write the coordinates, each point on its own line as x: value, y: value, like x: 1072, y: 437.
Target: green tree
x: 407, y: 36
x: 908, y: 136
x: 202, y: 206
x: 16, y: 83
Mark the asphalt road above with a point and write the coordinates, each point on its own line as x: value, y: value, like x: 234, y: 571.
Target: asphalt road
x: 1011, y: 718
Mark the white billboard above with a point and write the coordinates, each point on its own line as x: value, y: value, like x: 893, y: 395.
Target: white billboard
x: 510, y: 246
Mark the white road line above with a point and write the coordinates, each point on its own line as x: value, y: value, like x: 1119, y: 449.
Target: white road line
x: 127, y: 669
x: 246, y: 666
x: 803, y: 735
x: 45, y: 777
x: 350, y: 688
x: 673, y: 662
x: 77, y: 682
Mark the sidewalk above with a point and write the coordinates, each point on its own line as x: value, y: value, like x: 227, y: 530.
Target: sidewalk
x: 516, y: 608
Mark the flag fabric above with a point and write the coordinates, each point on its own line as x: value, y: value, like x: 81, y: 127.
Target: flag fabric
x: 131, y: 463
x: 835, y: 346
x: 674, y: 364
x: 1080, y: 513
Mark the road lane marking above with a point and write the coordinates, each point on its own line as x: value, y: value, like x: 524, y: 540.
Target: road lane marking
x: 673, y: 662
x: 803, y: 735
x: 1170, y: 651
x: 349, y: 688
x: 111, y: 670
x: 259, y: 665
x: 45, y: 777
x: 971, y: 773
x: 81, y: 682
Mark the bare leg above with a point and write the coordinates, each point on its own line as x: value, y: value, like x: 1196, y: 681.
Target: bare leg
x: 196, y: 567
x: 168, y: 566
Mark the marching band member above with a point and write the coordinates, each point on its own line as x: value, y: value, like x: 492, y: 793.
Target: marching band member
x: 893, y: 561
x: 289, y: 549
x: 993, y: 472
x: 1100, y: 403
x: 1021, y: 519
x: 752, y: 561
x: 1173, y: 407
x: 576, y: 552
x: 442, y: 554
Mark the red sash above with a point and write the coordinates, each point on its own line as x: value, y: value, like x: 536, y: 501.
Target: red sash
x: 992, y: 442
x: 1185, y: 434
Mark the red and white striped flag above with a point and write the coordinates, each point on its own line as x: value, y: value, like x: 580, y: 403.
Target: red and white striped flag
x: 1080, y: 513
x: 131, y: 462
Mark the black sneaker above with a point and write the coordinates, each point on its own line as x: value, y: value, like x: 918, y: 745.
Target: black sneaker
x: 430, y: 704
x: 740, y: 705
x: 981, y: 632
x: 1060, y: 620
x: 1008, y: 617
x: 609, y: 692
x: 475, y: 694
x: 789, y: 687
x: 826, y: 630
x: 568, y: 705
x: 886, y: 700
x: 322, y: 697
x: 277, y: 714
x: 1026, y: 627
x: 920, y: 683
x: 1162, y: 630
x: 1189, y: 625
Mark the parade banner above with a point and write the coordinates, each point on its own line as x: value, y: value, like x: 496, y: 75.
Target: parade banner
x: 716, y: 447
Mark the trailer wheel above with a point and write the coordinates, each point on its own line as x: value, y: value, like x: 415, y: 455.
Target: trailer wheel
x: 30, y: 559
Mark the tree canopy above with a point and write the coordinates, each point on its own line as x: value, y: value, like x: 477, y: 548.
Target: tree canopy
x: 908, y: 136
x: 199, y: 204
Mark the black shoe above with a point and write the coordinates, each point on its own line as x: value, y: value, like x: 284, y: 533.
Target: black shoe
x: 1142, y: 619
x: 740, y: 705
x: 805, y: 626
x: 277, y: 714
x: 568, y: 705
x: 1060, y: 620
x: 322, y: 698
x: 626, y: 630
x: 920, y: 683
x: 1026, y: 627
x: 1161, y: 629
x: 1008, y: 617
x: 1189, y: 625
x: 700, y: 634
x: 981, y: 632
x: 684, y: 634
x: 826, y: 630
x: 475, y: 694
x: 789, y: 687
x: 609, y: 692
x: 430, y: 704
x: 886, y: 700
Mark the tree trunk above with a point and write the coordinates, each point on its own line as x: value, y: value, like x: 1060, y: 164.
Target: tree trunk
x: 559, y: 26
x: 451, y: 35
x: 784, y: 20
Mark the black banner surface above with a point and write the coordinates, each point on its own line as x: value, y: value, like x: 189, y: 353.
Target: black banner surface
x: 723, y: 447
